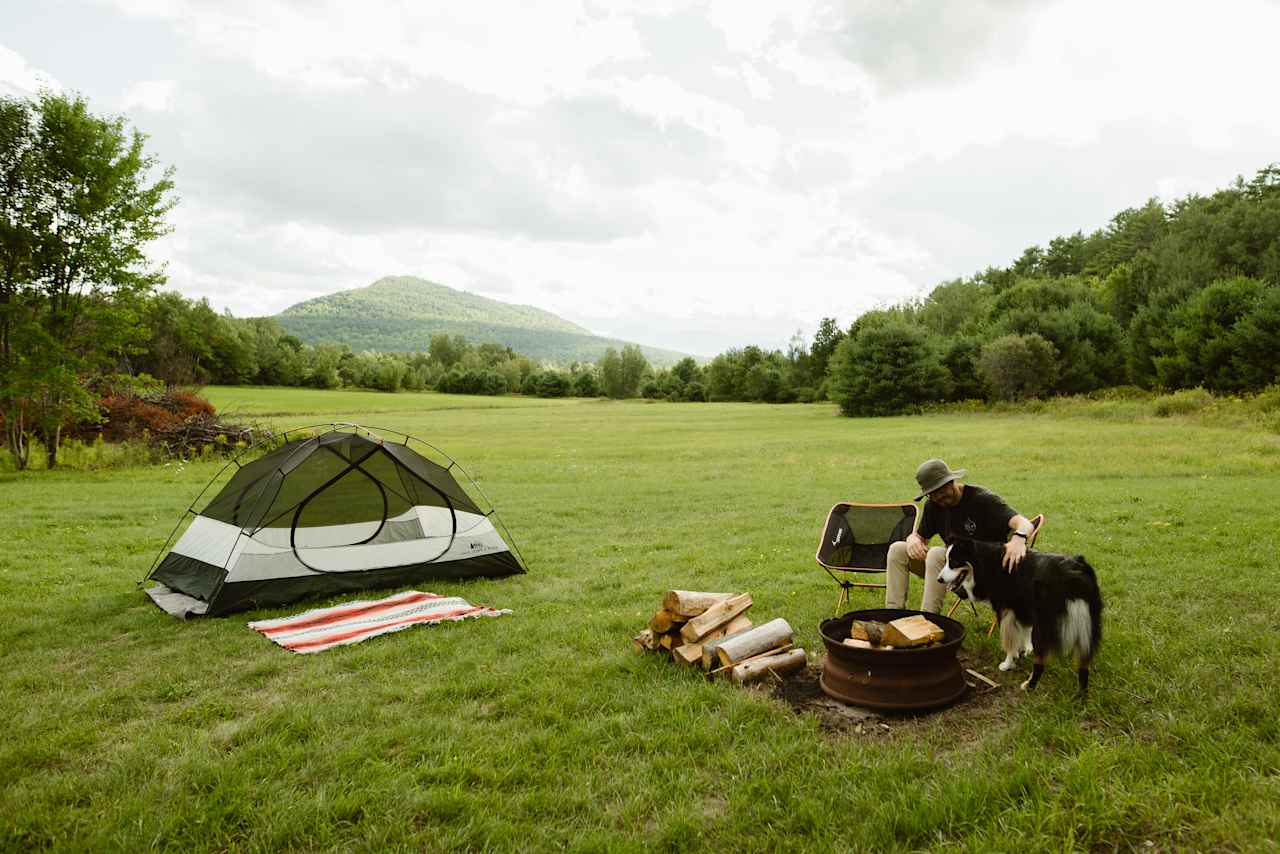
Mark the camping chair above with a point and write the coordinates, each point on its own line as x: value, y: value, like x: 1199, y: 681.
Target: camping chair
x: 856, y: 539
x: 1036, y: 523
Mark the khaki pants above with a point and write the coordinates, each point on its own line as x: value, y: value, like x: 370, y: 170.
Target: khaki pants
x: 897, y: 581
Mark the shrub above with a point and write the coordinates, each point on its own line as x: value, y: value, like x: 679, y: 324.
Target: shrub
x: 553, y: 384
x: 1018, y: 366
x: 1182, y: 402
x: 885, y: 369
x: 585, y: 385
x: 695, y: 392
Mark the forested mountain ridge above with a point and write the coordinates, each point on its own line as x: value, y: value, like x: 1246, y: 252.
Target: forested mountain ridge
x: 401, y: 313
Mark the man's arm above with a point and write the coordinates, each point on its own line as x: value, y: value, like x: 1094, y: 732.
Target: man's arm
x: 1016, y: 548
x: 917, y: 547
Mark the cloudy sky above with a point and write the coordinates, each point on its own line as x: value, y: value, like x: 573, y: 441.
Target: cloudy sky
x: 695, y: 175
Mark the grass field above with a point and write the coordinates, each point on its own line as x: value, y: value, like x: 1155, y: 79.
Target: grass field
x: 129, y: 730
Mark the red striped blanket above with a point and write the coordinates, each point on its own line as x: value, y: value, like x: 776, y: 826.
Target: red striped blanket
x: 321, y: 628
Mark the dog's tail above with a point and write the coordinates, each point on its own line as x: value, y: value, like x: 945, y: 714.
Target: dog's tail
x: 1095, y: 609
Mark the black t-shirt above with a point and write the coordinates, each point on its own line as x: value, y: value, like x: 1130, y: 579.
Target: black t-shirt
x: 980, y: 515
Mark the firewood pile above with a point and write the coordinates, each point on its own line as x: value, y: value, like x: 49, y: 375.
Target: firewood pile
x: 904, y: 632
x: 712, y: 631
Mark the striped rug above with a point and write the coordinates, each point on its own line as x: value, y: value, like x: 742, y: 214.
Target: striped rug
x: 321, y: 628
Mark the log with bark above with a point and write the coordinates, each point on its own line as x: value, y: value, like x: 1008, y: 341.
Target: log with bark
x: 690, y: 653
x: 687, y: 604
x: 715, y: 617
x: 867, y: 630
x: 771, y: 635
x: 663, y: 621
x: 779, y: 664
x: 646, y: 641
x: 736, y: 626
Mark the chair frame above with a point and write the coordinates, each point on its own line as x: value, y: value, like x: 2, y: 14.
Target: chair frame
x: 1037, y: 522
x: 846, y: 584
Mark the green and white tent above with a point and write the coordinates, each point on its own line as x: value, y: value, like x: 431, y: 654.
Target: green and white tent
x: 338, y: 508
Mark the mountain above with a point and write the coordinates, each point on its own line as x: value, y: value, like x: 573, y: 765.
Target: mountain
x: 401, y: 313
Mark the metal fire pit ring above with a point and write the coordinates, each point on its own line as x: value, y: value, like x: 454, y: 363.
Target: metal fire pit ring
x: 892, y: 679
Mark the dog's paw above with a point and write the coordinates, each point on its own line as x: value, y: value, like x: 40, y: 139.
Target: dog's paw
x: 1026, y: 686
x: 1007, y: 664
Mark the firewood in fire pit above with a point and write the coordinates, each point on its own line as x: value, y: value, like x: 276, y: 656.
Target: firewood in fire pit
x: 915, y: 630
x: 867, y: 630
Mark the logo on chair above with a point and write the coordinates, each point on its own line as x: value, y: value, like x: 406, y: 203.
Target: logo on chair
x: 839, y: 534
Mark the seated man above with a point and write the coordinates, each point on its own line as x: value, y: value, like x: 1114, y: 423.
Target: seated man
x: 953, y: 510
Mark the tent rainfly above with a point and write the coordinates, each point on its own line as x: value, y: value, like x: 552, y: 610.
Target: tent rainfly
x: 337, y: 510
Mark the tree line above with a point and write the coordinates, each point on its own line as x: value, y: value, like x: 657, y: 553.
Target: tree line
x: 1166, y: 296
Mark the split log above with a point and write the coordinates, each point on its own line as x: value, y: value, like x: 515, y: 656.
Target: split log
x: 734, y: 627
x: 915, y: 630
x: 687, y: 604
x: 780, y: 665
x: 715, y: 617
x: 690, y: 653
x: 646, y: 641
x: 867, y: 630
x: 858, y: 642
x: 663, y: 621
x: 771, y: 635
x: 711, y: 674
x: 670, y: 640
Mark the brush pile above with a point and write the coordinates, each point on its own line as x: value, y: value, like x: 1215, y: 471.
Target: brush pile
x: 713, y: 631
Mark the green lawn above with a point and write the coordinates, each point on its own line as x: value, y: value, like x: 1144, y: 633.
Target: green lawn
x: 129, y: 730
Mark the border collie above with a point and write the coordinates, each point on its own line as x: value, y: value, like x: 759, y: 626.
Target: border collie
x: 1049, y: 605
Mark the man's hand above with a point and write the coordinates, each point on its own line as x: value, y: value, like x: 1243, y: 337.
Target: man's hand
x: 1014, y: 551
x: 917, y: 548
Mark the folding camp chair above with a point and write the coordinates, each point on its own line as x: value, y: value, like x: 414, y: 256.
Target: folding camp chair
x: 856, y: 539
x: 1037, y: 522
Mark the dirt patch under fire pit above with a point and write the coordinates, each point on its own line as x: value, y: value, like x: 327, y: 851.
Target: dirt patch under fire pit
x: 980, y: 709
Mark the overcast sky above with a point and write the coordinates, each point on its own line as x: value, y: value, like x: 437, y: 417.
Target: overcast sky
x: 696, y: 176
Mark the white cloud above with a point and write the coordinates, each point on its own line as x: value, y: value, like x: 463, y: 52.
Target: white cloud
x: 20, y: 80
x: 709, y: 172
x: 154, y: 95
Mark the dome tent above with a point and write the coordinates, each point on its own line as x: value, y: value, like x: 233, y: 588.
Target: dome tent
x: 336, y: 509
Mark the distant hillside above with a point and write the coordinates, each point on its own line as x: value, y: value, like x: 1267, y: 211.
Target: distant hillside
x: 401, y: 313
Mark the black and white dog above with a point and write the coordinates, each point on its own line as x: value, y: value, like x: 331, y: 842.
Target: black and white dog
x: 1049, y: 605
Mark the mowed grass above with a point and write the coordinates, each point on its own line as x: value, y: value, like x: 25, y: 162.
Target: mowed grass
x: 129, y: 730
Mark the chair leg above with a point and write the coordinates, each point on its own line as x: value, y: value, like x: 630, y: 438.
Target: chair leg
x: 991, y: 631
x: 954, y: 606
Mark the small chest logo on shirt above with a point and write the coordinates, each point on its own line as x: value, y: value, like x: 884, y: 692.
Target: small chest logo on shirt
x: 970, y: 527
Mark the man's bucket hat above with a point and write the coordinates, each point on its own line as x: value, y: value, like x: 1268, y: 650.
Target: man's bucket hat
x: 934, y: 474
